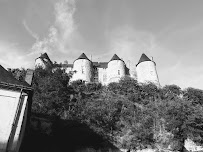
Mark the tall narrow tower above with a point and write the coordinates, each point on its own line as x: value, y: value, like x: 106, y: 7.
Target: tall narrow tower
x: 146, y: 71
x: 82, y: 68
x: 116, y: 69
x: 43, y: 61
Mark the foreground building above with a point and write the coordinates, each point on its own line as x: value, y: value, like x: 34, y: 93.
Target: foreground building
x: 105, y: 72
x: 15, y: 108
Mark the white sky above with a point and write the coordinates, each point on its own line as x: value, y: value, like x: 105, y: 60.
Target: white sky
x: 169, y: 30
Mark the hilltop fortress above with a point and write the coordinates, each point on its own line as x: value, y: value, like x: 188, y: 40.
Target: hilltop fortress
x: 105, y: 72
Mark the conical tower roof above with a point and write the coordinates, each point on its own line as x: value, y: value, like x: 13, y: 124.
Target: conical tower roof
x: 45, y: 56
x: 7, y: 78
x: 143, y: 58
x: 115, y: 57
x: 82, y: 56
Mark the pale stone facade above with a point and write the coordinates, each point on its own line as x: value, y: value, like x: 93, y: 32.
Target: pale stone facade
x: 82, y: 69
x: 39, y: 63
x: 102, y: 75
x: 43, y: 61
x: 107, y: 72
x: 146, y: 72
x: 115, y: 70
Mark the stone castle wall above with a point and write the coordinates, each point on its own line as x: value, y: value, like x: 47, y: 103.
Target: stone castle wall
x: 146, y: 72
x: 102, y: 75
x: 83, y: 70
x: 115, y: 70
x: 39, y: 63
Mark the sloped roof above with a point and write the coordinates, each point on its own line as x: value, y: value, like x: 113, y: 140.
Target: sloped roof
x: 96, y: 64
x: 143, y: 58
x: 115, y: 57
x: 103, y: 64
x: 83, y: 56
x: 67, y: 65
x: 100, y: 64
x: 7, y: 77
x: 45, y: 56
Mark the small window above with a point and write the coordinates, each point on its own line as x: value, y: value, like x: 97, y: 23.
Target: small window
x: 118, y: 72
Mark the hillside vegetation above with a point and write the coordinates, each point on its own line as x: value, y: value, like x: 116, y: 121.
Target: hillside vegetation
x: 128, y: 114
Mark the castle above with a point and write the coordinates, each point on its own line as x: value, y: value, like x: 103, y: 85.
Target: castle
x: 105, y: 72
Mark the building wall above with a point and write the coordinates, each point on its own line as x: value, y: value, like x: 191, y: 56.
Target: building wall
x: 146, y: 72
x: 69, y: 69
x: 20, y: 128
x: 83, y: 70
x: 115, y: 70
x: 102, y: 75
x: 133, y: 73
x: 192, y: 146
x: 39, y: 63
x: 9, y: 101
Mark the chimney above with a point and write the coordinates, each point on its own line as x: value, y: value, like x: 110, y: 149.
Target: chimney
x: 29, y: 76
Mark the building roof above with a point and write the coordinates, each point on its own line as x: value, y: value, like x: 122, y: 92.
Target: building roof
x: 7, y: 78
x: 100, y: 64
x: 67, y: 65
x: 115, y: 57
x: 103, y: 64
x: 45, y: 56
x: 143, y: 58
x: 96, y: 64
x: 83, y: 56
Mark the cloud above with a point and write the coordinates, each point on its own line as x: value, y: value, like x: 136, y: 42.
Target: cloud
x: 34, y: 35
x: 60, y: 35
x: 172, y: 68
x: 183, y: 76
x: 129, y: 43
x: 13, y: 56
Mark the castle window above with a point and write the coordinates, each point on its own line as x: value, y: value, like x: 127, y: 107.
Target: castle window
x: 118, y: 72
x: 82, y: 70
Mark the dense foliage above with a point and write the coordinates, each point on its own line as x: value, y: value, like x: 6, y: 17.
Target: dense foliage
x: 129, y: 114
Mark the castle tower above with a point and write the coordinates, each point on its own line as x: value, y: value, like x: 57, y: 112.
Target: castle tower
x: 146, y: 71
x: 116, y: 69
x: 43, y: 61
x: 82, y: 68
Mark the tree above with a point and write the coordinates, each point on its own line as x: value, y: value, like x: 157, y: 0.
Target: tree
x: 171, y: 91
x: 19, y: 74
x: 51, y: 94
x: 182, y: 119
x: 194, y: 95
